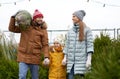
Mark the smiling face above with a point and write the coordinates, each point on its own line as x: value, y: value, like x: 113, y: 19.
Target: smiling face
x: 39, y: 20
x: 57, y: 44
x: 75, y: 19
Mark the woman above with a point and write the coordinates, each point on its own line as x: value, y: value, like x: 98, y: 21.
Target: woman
x: 78, y: 47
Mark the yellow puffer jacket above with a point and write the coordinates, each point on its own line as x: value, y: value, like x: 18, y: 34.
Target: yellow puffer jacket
x: 56, y: 69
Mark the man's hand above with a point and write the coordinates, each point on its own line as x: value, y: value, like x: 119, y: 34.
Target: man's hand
x: 46, y: 61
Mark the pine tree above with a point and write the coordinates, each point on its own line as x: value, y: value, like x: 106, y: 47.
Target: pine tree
x: 106, y: 59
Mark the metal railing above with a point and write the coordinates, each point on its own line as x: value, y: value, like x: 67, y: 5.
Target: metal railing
x: 113, y: 33
x: 96, y: 32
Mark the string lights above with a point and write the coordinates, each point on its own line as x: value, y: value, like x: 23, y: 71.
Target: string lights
x: 95, y: 1
x: 14, y: 2
x: 102, y: 3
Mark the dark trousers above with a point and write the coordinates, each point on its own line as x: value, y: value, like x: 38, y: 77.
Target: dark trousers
x: 71, y: 75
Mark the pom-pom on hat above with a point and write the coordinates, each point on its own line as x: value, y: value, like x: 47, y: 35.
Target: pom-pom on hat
x: 37, y: 14
x: 80, y: 14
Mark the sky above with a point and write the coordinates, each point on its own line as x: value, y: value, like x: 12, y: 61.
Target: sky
x: 58, y: 13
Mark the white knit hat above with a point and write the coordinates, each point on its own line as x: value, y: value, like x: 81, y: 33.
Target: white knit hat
x: 60, y: 39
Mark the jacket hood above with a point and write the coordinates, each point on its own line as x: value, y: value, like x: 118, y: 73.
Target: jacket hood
x: 43, y: 25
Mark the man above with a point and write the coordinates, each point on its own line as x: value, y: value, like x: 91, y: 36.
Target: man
x: 33, y: 41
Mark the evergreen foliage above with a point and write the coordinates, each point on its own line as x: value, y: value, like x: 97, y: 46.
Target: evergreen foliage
x: 105, y: 60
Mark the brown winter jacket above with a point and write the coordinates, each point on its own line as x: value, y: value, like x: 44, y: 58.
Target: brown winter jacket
x: 32, y: 42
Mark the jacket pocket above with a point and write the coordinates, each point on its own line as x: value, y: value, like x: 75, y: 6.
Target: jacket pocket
x: 36, y: 51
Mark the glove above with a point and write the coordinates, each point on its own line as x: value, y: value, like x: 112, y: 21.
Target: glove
x: 46, y: 61
x: 64, y: 60
x: 88, y: 62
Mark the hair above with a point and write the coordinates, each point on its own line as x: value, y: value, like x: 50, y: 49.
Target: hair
x: 81, y: 31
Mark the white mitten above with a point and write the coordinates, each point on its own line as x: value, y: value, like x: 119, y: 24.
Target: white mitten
x: 64, y: 60
x: 88, y: 62
x: 46, y: 61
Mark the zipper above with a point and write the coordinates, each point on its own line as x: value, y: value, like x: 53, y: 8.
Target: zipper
x: 75, y: 43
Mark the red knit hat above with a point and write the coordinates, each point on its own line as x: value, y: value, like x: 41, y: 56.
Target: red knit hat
x: 37, y: 14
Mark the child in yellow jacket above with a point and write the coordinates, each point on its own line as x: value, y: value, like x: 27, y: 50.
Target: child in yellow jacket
x: 57, y: 69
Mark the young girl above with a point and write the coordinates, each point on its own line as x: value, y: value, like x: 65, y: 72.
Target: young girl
x: 57, y: 69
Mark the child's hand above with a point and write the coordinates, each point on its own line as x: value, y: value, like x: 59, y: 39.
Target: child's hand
x: 64, y: 62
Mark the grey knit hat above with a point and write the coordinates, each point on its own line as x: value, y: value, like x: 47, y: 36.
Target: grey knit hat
x: 80, y: 14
